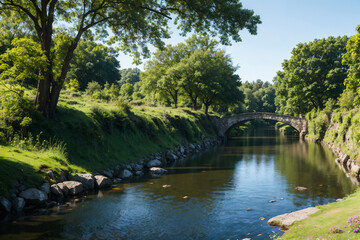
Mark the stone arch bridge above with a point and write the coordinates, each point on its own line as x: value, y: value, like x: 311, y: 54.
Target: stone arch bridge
x: 223, y: 124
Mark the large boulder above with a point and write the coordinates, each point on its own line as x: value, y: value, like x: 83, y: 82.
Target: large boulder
x: 63, y: 188
x: 74, y: 187
x: 124, y: 174
x: 157, y: 172
x: 87, y: 180
x: 34, y: 196
x: 170, y: 156
x: 355, y: 169
x: 56, y: 190
x: 45, y: 188
x: 137, y: 167
x: 5, y: 205
x: 154, y: 163
x: 102, y: 181
x: 18, y: 204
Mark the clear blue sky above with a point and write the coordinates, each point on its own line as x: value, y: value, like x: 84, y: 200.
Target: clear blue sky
x: 285, y: 24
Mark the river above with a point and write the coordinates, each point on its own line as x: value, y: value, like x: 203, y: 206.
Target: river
x: 221, y: 194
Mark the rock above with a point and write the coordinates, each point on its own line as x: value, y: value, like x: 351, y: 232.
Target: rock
x: 262, y: 218
x: 355, y: 169
x: 117, y: 180
x: 18, y: 204
x: 282, y: 198
x: 63, y: 188
x: 301, y: 188
x: 157, y: 172
x: 344, y: 158
x: 337, y: 160
x: 339, y: 200
x: 186, y: 197
x: 289, y: 218
x: 34, y: 196
x: 137, y: 167
x: 5, y: 205
x: 171, y: 156
x: 87, y: 180
x: 166, y: 186
x: 154, y: 163
x: 62, y: 177
x: 45, y: 188
x: 182, y: 149
x: 108, y: 173
x: 51, y: 204
x: 50, y: 173
x: 139, y: 173
x: 22, y: 187
x: 74, y: 187
x: 272, y: 201
x: 247, y: 239
x: 124, y: 174
x: 102, y: 181
x: 128, y: 167
x: 248, y: 209
x: 56, y: 190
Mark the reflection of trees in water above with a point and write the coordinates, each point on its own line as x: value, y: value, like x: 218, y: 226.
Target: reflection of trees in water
x: 310, y: 165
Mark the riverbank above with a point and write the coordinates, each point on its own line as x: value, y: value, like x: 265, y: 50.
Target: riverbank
x: 95, y: 137
x: 339, y: 132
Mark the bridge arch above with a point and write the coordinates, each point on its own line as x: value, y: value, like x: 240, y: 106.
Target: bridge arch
x: 225, y: 123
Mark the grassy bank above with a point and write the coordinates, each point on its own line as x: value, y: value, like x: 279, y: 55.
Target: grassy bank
x: 92, y: 135
x: 340, y: 128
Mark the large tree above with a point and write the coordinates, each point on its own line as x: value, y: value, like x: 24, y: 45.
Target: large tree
x: 352, y: 59
x: 94, y: 62
x: 133, y: 23
x: 313, y: 75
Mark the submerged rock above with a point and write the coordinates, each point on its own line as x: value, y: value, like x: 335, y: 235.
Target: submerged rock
x: 301, y: 188
x: 34, y: 196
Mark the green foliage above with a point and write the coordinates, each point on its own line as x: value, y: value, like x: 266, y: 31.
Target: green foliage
x: 347, y: 99
x: 22, y: 61
x: 123, y: 105
x: 313, y: 75
x: 94, y: 62
x: 193, y: 71
x: 15, y: 114
x: 318, y: 123
x: 345, y: 126
x: 133, y: 25
x: 129, y: 75
x: 259, y: 97
x: 72, y: 85
x: 93, y: 87
x: 126, y: 91
x: 352, y: 59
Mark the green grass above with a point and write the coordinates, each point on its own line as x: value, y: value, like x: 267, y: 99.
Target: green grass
x: 330, y: 215
x: 25, y: 166
x: 99, y: 135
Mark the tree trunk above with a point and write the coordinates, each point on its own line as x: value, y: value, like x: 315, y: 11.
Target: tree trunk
x: 194, y: 102
x: 206, y: 109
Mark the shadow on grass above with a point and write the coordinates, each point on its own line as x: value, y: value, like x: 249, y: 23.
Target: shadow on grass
x: 11, y: 171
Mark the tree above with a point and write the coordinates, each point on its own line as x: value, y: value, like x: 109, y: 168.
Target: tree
x: 352, y: 59
x: 94, y: 62
x: 313, y: 75
x: 129, y: 75
x: 133, y: 23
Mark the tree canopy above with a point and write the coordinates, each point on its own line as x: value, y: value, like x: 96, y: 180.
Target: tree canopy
x: 195, y: 70
x: 352, y: 59
x: 313, y: 75
x: 134, y: 25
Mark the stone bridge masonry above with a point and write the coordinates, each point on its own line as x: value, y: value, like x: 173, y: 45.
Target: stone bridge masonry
x: 223, y: 124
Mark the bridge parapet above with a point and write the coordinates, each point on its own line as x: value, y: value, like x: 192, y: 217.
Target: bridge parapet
x: 223, y: 124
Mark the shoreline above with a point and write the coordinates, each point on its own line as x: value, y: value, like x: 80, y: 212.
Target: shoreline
x: 26, y: 202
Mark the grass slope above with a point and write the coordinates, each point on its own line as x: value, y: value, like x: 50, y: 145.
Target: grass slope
x: 98, y: 135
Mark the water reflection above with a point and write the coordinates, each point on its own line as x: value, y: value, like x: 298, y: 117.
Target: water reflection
x: 229, y: 190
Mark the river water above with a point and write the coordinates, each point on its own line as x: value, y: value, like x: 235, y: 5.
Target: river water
x: 228, y: 190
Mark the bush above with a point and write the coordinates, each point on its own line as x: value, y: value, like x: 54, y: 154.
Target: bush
x: 123, y: 105
x: 15, y: 114
x: 346, y: 99
x: 92, y: 87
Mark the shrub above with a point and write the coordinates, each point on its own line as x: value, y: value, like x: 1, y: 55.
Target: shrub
x: 92, y: 87
x: 346, y: 99
x: 123, y: 105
